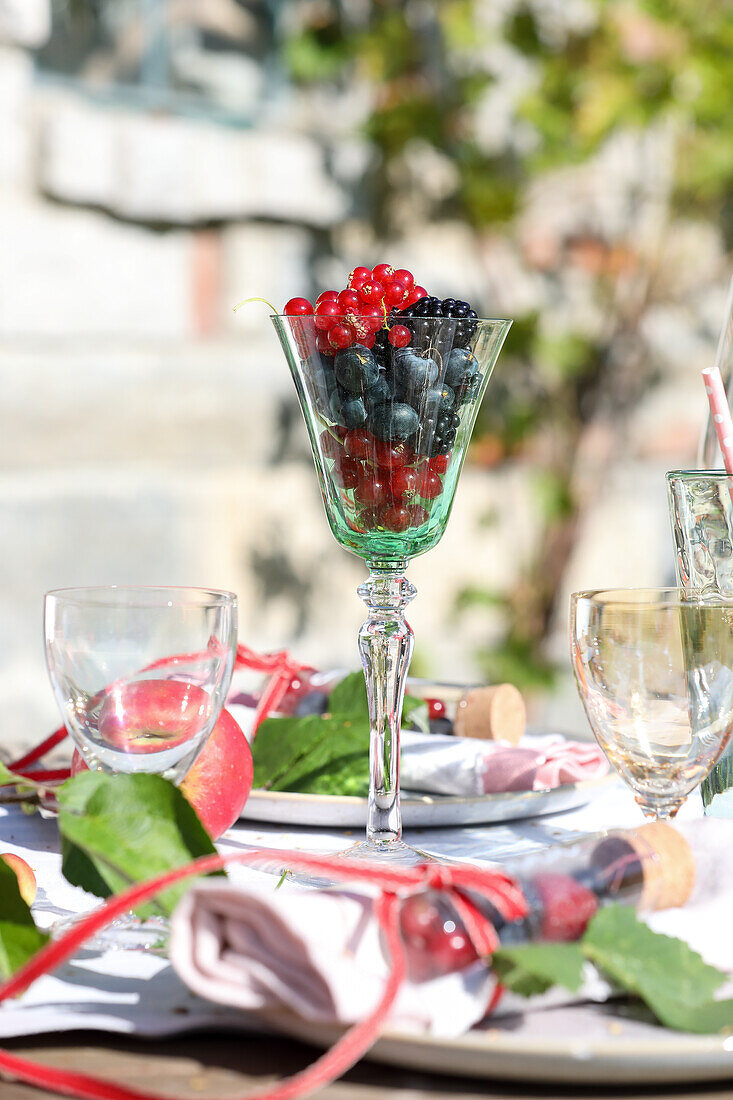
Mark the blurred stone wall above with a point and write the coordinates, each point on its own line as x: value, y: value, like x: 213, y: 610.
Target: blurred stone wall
x: 151, y: 436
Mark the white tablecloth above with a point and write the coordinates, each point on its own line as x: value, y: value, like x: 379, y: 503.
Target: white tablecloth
x: 135, y: 993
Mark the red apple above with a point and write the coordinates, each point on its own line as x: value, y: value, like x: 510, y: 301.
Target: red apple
x: 218, y: 784
x: 152, y: 715
x: 24, y: 874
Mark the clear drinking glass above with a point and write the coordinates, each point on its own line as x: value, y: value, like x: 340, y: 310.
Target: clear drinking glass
x: 389, y: 430
x: 654, y: 669
x: 701, y: 513
x: 140, y: 674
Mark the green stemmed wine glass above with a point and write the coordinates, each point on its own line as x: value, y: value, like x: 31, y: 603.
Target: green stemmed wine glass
x: 389, y: 428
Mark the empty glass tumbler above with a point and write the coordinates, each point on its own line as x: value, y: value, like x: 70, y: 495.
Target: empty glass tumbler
x: 701, y: 513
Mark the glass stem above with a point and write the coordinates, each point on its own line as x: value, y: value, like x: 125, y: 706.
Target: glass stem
x: 385, y: 645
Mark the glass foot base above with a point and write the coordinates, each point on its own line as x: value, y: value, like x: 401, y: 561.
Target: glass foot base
x: 126, y: 933
x: 392, y: 854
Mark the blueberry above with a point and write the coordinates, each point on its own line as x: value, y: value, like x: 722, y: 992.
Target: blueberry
x: 356, y: 369
x: 379, y: 393
x: 423, y: 442
x: 414, y: 375
x: 334, y: 406
x: 469, y: 388
x: 354, y: 413
x: 395, y: 422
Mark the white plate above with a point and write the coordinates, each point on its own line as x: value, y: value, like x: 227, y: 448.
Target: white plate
x: 575, y: 1044
x: 418, y: 810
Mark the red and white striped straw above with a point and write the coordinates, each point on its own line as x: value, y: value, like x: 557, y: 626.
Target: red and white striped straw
x: 720, y: 412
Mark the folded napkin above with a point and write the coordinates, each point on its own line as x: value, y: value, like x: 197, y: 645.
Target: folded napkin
x: 316, y: 953
x: 466, y: 766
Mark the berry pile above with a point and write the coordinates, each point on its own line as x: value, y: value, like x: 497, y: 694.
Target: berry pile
x: 391, y: 386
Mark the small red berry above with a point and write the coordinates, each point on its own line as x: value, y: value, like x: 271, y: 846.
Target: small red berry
x: 395, y: 517
x: 327, y: 313
x: 298, y: 307
x: 327, y: 296
x: 439, y: 464
x: 368, y: 518
x: 419, y: 292
x: 359, y: 443
x: 373, y: 316
x: 348, y: 300
x: 392, y: 455
x: 403, y: 482
x: 399, y: 336
x: 371, y: 293
x: 402, y: 275
x: 567, y: 906
x: 418, y: 515
x: 323, y: 343
x: 367, y: 341
x: 347, y: 472
x: 429, y: 485
x: 341, y: 336
x: 330, y: 445
x: 371, y: 491
x: 383, y: 273
x: 359, y: 274
x: 394, y: 294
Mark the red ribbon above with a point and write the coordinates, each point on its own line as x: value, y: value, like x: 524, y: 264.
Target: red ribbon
x: 282, y: 671
x: 500, y: 890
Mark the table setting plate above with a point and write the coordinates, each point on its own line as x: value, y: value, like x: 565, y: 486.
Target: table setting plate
x: 580, y: 1044
x: 419, y: 810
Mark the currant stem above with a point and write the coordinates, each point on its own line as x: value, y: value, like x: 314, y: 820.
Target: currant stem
x: 246, y: 300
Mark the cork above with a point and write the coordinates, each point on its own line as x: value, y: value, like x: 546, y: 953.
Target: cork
x: 491, y: 713
x: 667, y: 862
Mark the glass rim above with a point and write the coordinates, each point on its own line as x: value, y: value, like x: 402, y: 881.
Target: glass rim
x: 693, y: 475
x: 428, y: 317
x: 664, y: 597
x: 170, y: 596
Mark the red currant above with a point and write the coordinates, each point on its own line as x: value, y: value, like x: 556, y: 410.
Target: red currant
x: 348, y: 300
x: 399, y: 336
x: 368, y: 341
x: 326, y: 314
x: 360, y: 274
x: 418, y: 515
x: 371, y: 293
x: 327, y: 296
x: 373, y: 316
x: 402, y: 275
x: 439, y: 464
x: 360, y: 327
x: 359, y: 443
x: 323, y: 343
x: 391, y: 455
x: 347, y: 472
x: 394, y: 294
x: 403, y: 482
x: 383, y: 273
x: 298, y: 307
x: 330, y: 445
x: 371, y: 491
x: 341, y: 336
x: 429, y: 485
x: 419, y: 292
x: 395, y: 517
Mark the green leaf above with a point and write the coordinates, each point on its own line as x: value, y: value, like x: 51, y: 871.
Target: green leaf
x: 535, y: 967
x: 349, y: 696
x: 19, y: 937
x: 415, y: 713
x: 7, y: 778
x: 313, y: 755
x: 121, y: 829
x: 669, y: 976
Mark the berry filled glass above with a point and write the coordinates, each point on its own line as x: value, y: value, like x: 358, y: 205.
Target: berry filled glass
x: 389, y: 399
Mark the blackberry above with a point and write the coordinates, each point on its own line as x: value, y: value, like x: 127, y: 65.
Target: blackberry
x: 466, y: 317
